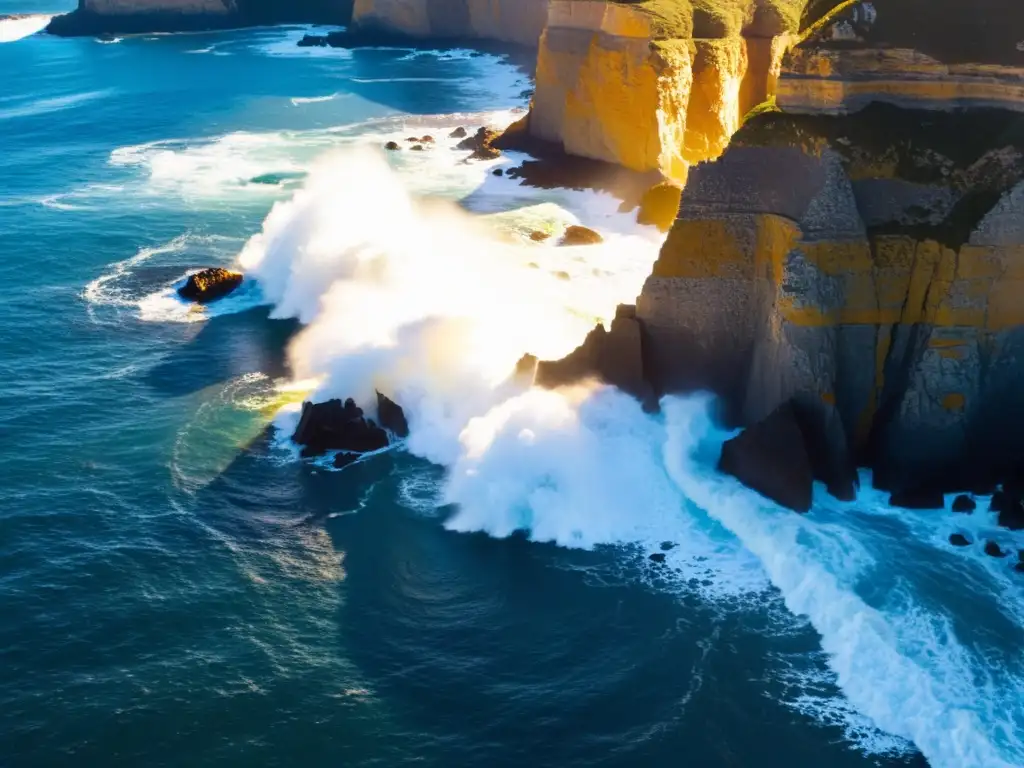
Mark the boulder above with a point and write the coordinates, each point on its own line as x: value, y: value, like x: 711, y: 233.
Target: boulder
x: 392, y: 146
x: 657, y: 557
x: 994, y: 550
x: 412, y: 139
x: 659, y: 206
x: 458, y: 133
x: 210, y: 284
x: 337, y: 426
x: 964, y: 504
x: 771, y: 458
x: 614, y: 357
x: 959, y: 540
x: 416, y: 148
x: 539, y: 237
x: 1010, y: 508
x: 428, y: 139
x: 919, y: 498
x: 391, y: 416
x: 498, y: 172
x: 577, y: 235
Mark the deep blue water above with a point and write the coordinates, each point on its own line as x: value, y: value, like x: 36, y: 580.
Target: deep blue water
x: 177, y: 590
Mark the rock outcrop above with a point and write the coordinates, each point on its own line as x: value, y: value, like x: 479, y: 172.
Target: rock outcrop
x: 95, y: 17
x: 864, y: 249
x: 336, y: 426
x: 210, y: 284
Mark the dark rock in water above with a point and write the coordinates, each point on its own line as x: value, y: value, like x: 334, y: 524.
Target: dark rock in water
x: 392, y: 146
x: 416, y: 148
x: 428, y: 139
x: 964, y: 504
x: 392, y: 416
x: 539, y: 237
x: 994, y: 550
x: 498, y: 172
x: 1019, y: 567
x: 667, y: 545
x: 614, y: 357
x: 959, y: 540
x: 480, y: 144
x: 342, y: 460
x: 526, y: 368
x: 825, y: 440
x: 577, y: 235
x: 657, y: 557
x: 412, y: 139
x: 458, y: 133
x: 313, y: 41
x: 921, y: 498
x: 1010, y: 508
x: 210, y: 284
x: 337, y: 426
x: 771, y: 458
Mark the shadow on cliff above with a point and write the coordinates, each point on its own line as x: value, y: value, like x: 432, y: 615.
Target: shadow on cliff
x: 227, y: 347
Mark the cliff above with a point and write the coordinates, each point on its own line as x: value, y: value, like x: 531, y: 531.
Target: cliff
x: 519, y: 22
x: 863, y: 250
x: 654, y: 86
x: 94, y: 17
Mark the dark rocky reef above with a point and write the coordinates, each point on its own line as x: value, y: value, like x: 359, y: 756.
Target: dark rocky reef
x: 90, y: 18
x: 210, y: 284
x: 337, y: 426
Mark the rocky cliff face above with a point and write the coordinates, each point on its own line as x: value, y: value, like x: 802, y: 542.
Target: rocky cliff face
x: 519, y: 22
x: 614, y: 84
x: 93, y: 17
x: 864, y: 250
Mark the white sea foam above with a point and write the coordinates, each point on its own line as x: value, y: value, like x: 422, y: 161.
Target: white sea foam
x: 14, y: 28
x: 299, y: 100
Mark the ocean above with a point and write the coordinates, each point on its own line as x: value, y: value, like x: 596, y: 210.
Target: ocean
x: 178, y: 588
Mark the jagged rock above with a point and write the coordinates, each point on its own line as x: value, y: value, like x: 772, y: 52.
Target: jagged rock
x: 498, y: 172
x: 480, y: 144
x: 920, y: 498
x: 313, y: 41
x: 657, y: 557
x: 959, y: 540
x: 771, y: 458
x: 485, y: 153
x: 964, y: 504
x: 659, y: 206
x: 416, y: 148
x: 337, y: 426
x: 392, y: 416
x: 577, y: 235
x: 1010, y: 509
x: 210, y: 284
x: 538, y: 237
x: 392, y: 146
x: 458, y: 133
x: 614, y: 357
x: 994, y: 550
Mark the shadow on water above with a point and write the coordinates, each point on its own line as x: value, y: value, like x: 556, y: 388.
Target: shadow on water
x: 227, y: 346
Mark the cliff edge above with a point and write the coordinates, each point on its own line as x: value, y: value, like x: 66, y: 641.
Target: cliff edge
x: 863, y: 250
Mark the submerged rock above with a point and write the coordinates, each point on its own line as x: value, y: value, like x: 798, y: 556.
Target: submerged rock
x: 771, y: 458
x: 337, y: 426
x: 392, y: 416
x: 964, y: 504
x: 994, y: 550
x: 959, y: 540
x: 416, y: 148
x: 657, y: 557
x: 210, y: 284
x: 577, y: 235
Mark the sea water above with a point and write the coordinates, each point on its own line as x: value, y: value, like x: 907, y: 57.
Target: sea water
x: 177, y: 587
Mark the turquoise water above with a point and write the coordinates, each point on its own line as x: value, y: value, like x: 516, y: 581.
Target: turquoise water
x: 176, y: 588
